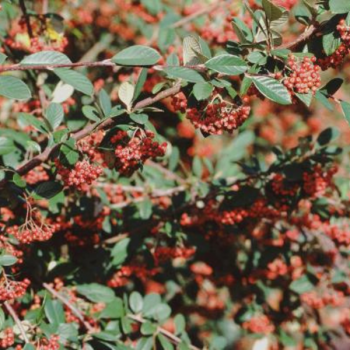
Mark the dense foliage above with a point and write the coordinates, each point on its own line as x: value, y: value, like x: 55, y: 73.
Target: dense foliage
x: 174, y: 174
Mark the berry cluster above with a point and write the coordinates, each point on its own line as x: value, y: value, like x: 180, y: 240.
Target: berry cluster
x: 132, y: 152
x: 36, y: 175
x: 288, y: 4
x: 259, y: 324
x: 304, y: 77
x: 81, y: 176
x: 11, y: 289
x: 50, y: 344
x: 179, y: 103
x: 344, y: 31
x: 317, y: 182
x: 337, y: 57
x: 7, y: 338
x: 121, y: 277
x: 163, y: 254
x: 31, y: 232
x: 340, y: 235
x: 281, y: 187
x: 215, y: 118
x: 313, y: 300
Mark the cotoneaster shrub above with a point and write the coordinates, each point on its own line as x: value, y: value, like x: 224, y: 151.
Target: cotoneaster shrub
x: 174, y: 175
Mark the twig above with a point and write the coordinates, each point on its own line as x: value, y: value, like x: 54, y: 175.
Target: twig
x: 13, y: 314
x: 309, y: 32
x: 66, y: 302
x: 26, y: 17
x: 155, y: 194
x: 169, y: 335
x: 43, y: 157
x: 169, y: 174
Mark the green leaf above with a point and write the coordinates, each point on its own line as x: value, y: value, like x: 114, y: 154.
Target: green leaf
x: 272, y: 89
x: 302, y: 285
x: 145, y: 209
x: 79, y: 81
x: 54, y: 114
x: 6, y: 146
x: 30, y: 120
x: 192, y: 52
x: 305, y: 98
x: 3, y: 58
x: 113, y: 310
x: 139, y: 118
x: 324, y: 100
x: 91, y: 113
x: 96, y: 292
x: 45, y: 58
x: 7, y: 260
x: 327, y: 135
x: 202, y: 91
x: 145, y: 344
x: 69, y: 153
x: 105, y: 102
x: 18, y: 181
x: 150, y: 302
x: 14, y: 88
x: 120, y: 252
x: 165, y: 342
x: 180, y: 323
x: 185, y: 74
x: 126, y: 94
x: 140, y: 83
x: 332, y: 86
x: 47, y: 189
x: 330, y: 43
x: 272, y: 11
x: 227, y: 64
x: 29, y: 347
x: 2, y: 319
x: 339, y: 6
x: 54, y: 311
x: 148, y: 328
x: 162, y: 312
x: 137, y: 55
x: 346, y: 110
x: 136, y: 302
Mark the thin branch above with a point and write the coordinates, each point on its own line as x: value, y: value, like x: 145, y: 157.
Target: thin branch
x: 13, y: 314
x: 43, y: 157
x: 26, y: 17
x: 19, y: 67
x: 172, y: 337
x: 66, y: 302
x: 309, y: 32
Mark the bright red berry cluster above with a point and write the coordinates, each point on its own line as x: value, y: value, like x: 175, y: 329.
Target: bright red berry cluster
x: 304, y: 77
x: 215, y: 118
x: 317, y: 182
x: 163, y: 254
x: 337, y: 58
x: 259, y: 324
x: 7, y: 338
x: 81, y: 176
x: 132, y: 152
x: 12, y: 289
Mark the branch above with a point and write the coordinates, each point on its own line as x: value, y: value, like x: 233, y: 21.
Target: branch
x: 26, y: 18
x: 43, y: 157
x: 309, y: 32
x: 66, y: 302
x: 169, y: 335
x: 13, y: 314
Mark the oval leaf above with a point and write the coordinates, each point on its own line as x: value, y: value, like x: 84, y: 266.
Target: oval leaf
x: 137, y: 55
